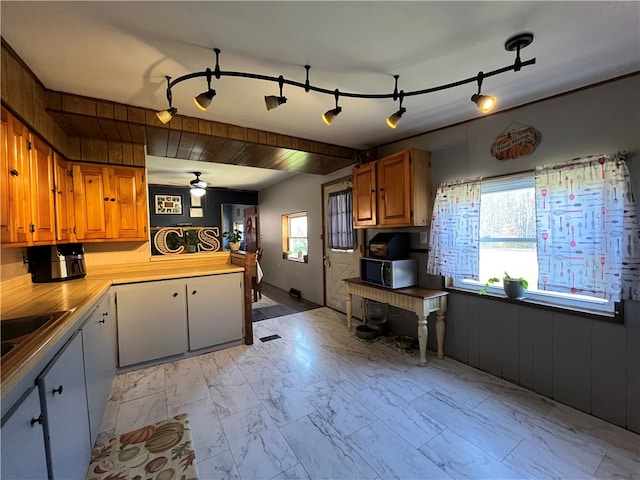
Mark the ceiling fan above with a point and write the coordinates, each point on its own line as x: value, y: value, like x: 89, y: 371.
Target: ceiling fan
x: 198, y: 187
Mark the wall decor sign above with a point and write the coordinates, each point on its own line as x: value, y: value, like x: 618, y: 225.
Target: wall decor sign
x: 516, y: 141
x: 169, y: 204
x: 182, y: 240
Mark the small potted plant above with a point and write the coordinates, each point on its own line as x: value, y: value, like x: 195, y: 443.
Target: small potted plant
x: 233, y: 236
x: 513, y: 287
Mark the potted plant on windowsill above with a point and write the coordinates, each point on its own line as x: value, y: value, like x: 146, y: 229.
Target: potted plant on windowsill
x: 513, y: 287
x: 233, y: 236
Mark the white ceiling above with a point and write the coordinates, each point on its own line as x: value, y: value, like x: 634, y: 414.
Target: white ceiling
x: 121, y: 51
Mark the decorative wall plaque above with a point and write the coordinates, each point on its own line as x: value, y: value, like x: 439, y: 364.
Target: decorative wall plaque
x: 517, y: 141
x: 169, y: 204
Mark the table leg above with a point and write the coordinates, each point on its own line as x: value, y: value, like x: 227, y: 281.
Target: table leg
x: 440, y: 332
x: 423, y: 336
x: 349, y: 311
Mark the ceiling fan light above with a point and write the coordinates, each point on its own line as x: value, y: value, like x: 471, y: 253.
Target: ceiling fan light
x: 198, y: 187
x: 485, y: 103
x: 165, y: 116
x: 330, y: 115
x: 203, y: 100
x: 198, y: 191
x: 394, y: 119
x: 273, y: 101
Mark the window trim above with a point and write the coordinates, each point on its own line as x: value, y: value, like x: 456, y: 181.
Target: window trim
x: 285, y: 220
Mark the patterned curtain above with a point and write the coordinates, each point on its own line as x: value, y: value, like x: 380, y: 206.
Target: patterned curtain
x: 341, y: 220
x: 587, y: 229
x: 455, y: 226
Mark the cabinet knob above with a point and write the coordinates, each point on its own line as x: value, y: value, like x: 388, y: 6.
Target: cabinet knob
x: 14, y: 172
x: 57, y: 390
x: 113, y: 199
x: 194, y: 292
x: 175, y: 294
x: 101, y: 321
x: 106, y: 199
x: 36, y: 420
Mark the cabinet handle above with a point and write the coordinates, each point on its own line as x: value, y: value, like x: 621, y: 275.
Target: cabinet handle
x: 175, y: 294
x: 14, y: 172
x: 57, y: 390
x: 36, y: 420
x: 113, y: 199
x: 194, y: 292
x: 101, y: 321
x: 106, y: 199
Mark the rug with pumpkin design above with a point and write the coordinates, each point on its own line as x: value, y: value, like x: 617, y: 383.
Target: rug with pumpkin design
x: 162, y: 451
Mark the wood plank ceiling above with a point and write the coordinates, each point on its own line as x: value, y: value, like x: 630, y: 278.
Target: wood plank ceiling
x: 191, y: 138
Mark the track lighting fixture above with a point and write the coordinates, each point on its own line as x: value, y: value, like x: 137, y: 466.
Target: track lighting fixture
x: 330, y: 115
x: 485, y: 102
x: 204, y: 99
x: 393, y: 120
x: 271, y: 101
x: 198, y: 187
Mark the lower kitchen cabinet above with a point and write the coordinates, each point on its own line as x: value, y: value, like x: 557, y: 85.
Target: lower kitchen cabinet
x: 100, y: 360
x: 23, y: 452
x: 63, y: 396
x: 215, y: 309
x: 152, y: 320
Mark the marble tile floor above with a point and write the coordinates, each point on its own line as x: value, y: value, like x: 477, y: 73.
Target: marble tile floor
x: 319, y: 403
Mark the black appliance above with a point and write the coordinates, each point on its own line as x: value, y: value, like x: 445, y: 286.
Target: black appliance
x: 56, y: 263
x: 389, y: 246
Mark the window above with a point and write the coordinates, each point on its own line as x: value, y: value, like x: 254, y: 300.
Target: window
x: 294, y: 237
x: 340, y: 221
x: 507, y: 243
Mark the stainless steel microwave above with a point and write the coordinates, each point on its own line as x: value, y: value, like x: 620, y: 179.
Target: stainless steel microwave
x: 389, y: 273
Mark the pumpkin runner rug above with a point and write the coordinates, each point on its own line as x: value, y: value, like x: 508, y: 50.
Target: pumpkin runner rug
x: 162, y: 451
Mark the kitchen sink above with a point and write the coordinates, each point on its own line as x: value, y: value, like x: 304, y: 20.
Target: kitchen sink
x: 16, y: 330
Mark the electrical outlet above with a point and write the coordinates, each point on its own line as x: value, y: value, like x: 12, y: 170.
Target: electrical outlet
x: 424, y: 237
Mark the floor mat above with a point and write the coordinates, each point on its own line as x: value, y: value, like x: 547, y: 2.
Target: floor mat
x: 159, y: 451
x: 263, y: 302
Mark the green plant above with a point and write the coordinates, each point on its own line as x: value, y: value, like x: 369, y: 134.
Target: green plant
x: 523, y: 283
x: 233, y: 235
x: 191, y: 237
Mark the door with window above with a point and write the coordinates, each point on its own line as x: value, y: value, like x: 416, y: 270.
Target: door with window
x: 341, y: 243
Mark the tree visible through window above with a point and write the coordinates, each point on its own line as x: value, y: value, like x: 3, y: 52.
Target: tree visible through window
x: 294, y: 236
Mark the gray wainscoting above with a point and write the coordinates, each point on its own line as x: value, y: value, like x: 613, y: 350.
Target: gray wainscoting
x: 589, y: 364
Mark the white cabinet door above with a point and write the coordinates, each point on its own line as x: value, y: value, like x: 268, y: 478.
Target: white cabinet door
x: 63, y: 395
x: 100, y: 360
x: 152, y: 320
x: 216, y: 309
x: 23, y: 454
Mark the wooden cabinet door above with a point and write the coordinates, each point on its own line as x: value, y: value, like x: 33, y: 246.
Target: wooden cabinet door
x: 5, y: 180
x: 16, y: 175
x: 215, y: 307
x: 23, y: 453
x: 42, y: 188
x: 63, y: 200
x: 152, y: 321
x: 129, y: 211
x: 100, y: 360
x: 394, y: 190
x: 364, y: 195
x: 92, y: 202
x: 64, y: 396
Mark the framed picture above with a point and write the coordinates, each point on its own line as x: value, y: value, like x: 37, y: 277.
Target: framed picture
x: 196, y: 201
x: 169, y: 204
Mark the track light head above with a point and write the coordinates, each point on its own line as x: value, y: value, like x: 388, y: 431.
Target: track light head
x: 165, y: 116
x: 203, y: 100
x: 485, y: 103
x: 198, y: 187
x: 394, y: 119
x: 273, y: 101
x: 330, y: 115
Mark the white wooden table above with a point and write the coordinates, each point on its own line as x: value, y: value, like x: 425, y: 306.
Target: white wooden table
x: 421, y: 301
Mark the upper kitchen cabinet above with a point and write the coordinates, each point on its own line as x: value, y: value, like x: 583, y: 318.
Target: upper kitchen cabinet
x: 110, y: 202
x: 394, y: 191
x: 65, y: 217
x: 27, y: 216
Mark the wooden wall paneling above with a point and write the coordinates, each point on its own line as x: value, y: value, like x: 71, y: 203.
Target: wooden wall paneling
x: 456, y: 321
x: 116, y: 154
x: 11, y: 87
x: 272, y: 139
x: 64, y: 123
x: 219, y: 129
x: 526, y: 360
x: 79, y: 105
x: 252, y: 154
x: 127, y: 154
x: 87, y: 127
x: 138, y: 133
x: 608, y: 371
x: 105, y: 110
x: 157, y: 139
x: 139, y: 156
x: 110, y: 130
x: 476, y: 312
x: 228, y: 150
x: 123, y: 131
x: 285, y: 156
x: 211, y: 149
x: 272, y: 159
x: 543, y: 352
x: 189, y: 124
x: 94, y: 151
x: 185, y: 147
x: 252, y: 135
x: 198, y: 147
x: 572, y: 361
x: 136, y: 115
x: 490, y: 338
x: 4, y: 74
x: 237, y: 133
x: 510, y: 342
x: 74, y: 148
x: 173, y: 141
x: 120, y: 112
x: 632, y: 323
x: 284, y: 141
x: 204, y: 127
x: 295, y: 143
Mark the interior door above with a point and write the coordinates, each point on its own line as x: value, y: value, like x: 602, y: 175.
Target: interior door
x: 251, y: 229
x: 339, y: 264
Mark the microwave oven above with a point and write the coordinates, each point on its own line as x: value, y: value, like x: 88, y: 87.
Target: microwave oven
x: 389, y: 273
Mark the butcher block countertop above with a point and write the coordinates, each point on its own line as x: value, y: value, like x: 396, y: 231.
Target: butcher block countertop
x: 19, y: 297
